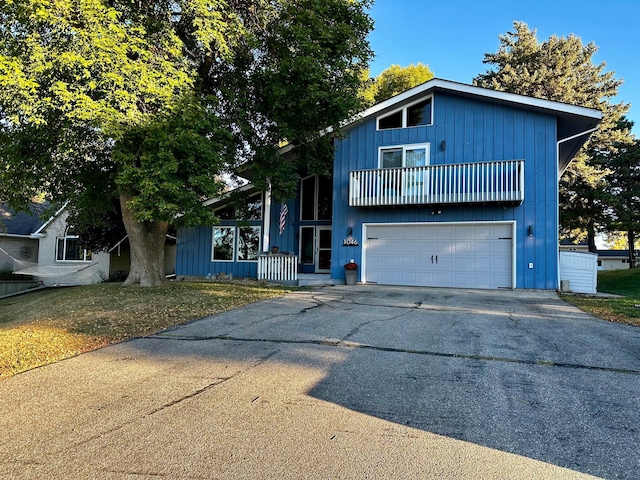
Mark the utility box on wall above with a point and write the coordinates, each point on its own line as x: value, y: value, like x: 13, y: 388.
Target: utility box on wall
x: 579, y: 272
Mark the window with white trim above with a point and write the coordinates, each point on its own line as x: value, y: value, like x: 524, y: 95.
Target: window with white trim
x: 398, y: 156
x: 316, y: 198
x: 69, y: 248
x: 415, y: 114
x: 248, y: 243
x: 223, y: 244
x: 231, y: 243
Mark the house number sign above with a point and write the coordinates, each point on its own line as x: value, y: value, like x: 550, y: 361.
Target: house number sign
x: 350, y: 242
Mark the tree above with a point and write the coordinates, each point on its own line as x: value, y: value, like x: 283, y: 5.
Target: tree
x: 395, y: 80
x: 148, y: 102
x: 562, y: 69
x: 623, y: 188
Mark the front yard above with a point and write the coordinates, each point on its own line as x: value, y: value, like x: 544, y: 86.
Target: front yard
x: 49, y: 325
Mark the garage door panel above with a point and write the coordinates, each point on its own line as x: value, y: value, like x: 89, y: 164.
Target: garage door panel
x: 464, y: 280
x: 463, y: 263
x: 408, y: 246
x: 392, y: 262
x: 407, y: 262
x: 425, y: 246
x: 467, y: 256
x: 463, y: 246
x: 408, y: 232
x: 443, y: 231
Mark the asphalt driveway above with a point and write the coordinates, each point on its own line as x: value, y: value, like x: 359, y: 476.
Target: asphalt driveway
x: 342, y: 382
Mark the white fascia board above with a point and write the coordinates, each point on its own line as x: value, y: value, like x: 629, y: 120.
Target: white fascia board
x: 15, y: 235
x: 496, y: 95
x: 243, y: 188
x: 38, y: 233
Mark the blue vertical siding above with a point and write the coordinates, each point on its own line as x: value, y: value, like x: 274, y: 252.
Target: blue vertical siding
x: 473, y: 131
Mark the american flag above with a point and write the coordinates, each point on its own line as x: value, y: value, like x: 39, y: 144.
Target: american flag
x: 283, y: 216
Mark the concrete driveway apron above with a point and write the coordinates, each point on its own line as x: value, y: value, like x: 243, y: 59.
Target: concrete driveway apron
x: 342, y: 382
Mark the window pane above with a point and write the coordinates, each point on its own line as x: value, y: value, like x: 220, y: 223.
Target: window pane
x: 419, y: 114
x: 225, y: 213
x: 308, y: 199
x: 325, y: 198
x: 306, y: 245
x: 60, y: 251
x: 390, y: 121
x: 416, y: 157
x: 392, y: 158
x: 254, y: 208
x: 248, y: 243
x: 72, y: 249
x: 223, y: 243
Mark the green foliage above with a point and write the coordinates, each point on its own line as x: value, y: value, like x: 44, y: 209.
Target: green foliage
x: 151, y: 101
x: 622, y: 190
x: 562, y: 69
x: 295, y: 78
x: 395, y: 80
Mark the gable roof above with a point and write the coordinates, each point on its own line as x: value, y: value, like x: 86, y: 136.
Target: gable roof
x: 21, y: 223
x: 574, y: 125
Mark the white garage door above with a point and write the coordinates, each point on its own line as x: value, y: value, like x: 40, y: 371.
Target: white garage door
x: 455, y: 255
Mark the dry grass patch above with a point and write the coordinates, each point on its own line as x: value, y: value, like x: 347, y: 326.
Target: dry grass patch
x: 46, y: 326
x: 625, y: 309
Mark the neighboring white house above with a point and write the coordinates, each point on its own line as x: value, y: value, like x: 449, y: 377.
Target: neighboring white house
x: 62, y: 260
x: 613, y: 259
x: 607, y: 259
x: 52, y: 252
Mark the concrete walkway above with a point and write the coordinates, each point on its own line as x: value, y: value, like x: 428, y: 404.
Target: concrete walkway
x: 342, y: 382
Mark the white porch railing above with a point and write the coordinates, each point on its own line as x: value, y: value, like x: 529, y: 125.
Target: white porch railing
x: 278, y: 268
x: 438, y: 184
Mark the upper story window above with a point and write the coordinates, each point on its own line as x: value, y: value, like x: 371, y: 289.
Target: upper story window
x: 316, y: 198
x: 412, y: 115
x: 249, y: 209
x: 68, y: 248
x: 415, y: 155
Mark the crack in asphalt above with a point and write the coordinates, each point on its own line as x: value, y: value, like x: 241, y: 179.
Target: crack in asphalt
x: 363, y: 324
x: 346, y: 344
x: 200, y: 391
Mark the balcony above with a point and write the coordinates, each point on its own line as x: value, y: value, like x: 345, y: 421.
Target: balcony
x: 481, y: 182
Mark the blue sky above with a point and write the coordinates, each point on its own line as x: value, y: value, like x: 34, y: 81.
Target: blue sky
x: 452, y: 36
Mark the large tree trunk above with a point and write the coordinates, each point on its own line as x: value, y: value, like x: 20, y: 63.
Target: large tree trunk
x: 146, y: 244
x: 631, y: 239
x: 591, y: 237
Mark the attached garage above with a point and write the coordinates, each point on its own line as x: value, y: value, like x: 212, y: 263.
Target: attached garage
x: 463, y: 255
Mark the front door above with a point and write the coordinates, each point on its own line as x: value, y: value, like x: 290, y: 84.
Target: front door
x: 315, y: 248
x: 323, y: 249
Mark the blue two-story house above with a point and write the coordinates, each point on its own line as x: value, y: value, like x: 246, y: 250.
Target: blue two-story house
x: 446, y: 184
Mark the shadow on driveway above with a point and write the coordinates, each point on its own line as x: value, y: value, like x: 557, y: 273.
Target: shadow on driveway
x: 518, y: 372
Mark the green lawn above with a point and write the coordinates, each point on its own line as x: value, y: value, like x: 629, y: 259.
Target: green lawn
x: 620, y: 282
x: 49, y: 325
